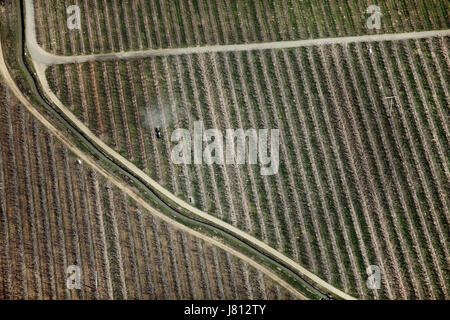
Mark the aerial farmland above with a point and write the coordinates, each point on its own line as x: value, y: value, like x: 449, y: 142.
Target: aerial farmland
x: 355, y: 93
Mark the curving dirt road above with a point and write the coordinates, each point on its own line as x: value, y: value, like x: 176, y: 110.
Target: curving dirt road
x: 40, y: 73
x: 43, y: 57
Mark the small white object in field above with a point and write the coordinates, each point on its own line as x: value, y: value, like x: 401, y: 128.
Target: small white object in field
x: 191, y: 200
x: 370, y: 50
x: 78, y: 161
